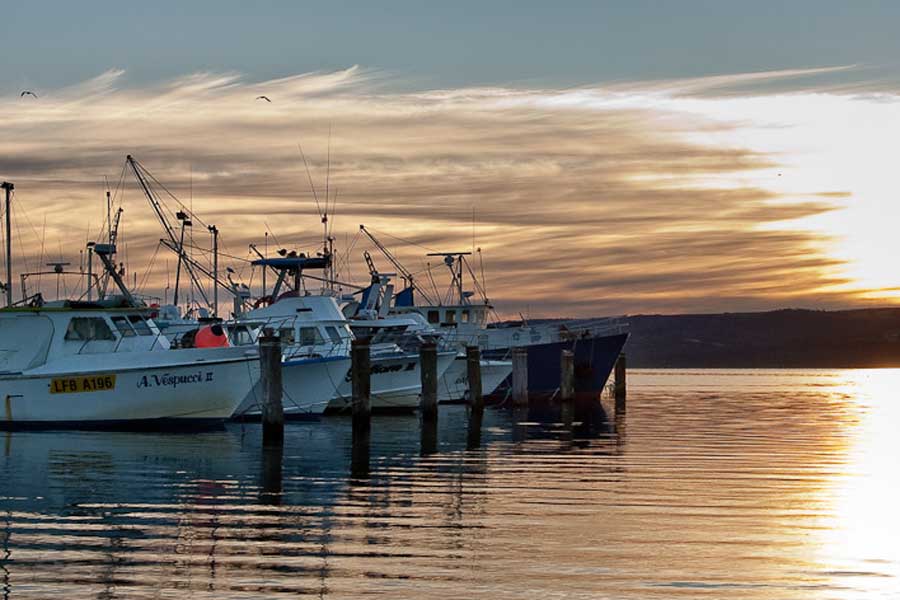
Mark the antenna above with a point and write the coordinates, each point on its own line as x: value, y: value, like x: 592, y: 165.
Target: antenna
x: 309, y: 177
x: 327, y: 181
x: 108, y: 212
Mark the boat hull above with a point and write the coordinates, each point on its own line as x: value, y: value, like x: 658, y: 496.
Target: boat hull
x: 308, y: 385
x: 396, y: 383
x: 194, y: 389
x: 594, y: 356
x: 454, y: 385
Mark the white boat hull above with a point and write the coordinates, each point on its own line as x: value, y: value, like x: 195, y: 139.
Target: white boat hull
x: 454, y: 384
x: 308, y: 385
x: 181, y: 385
x: 395, y: 385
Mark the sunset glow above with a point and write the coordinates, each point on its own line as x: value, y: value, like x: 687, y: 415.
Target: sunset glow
x: 712, y: 193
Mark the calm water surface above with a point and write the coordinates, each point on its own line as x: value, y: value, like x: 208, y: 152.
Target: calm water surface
x: 716, y: 484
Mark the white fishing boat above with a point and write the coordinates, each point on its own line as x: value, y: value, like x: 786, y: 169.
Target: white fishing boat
x: 313, y: 327
x: 394, y: 342
x: 82, y: 364
x: 74, y: 363
x: 315, y: 349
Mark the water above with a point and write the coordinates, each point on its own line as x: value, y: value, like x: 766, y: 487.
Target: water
x: 717, y: 484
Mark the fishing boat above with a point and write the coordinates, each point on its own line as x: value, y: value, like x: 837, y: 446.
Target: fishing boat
x: 394, y: 342
x: 316, y: 331
x: 315, y: 343
x: 85, y: 364
x: 464, y: 317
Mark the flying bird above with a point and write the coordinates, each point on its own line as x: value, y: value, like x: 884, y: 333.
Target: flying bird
x: 27, y: 93
x: 266, y: 98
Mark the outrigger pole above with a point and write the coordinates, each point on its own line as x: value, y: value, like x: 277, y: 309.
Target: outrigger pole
x: 172, y: 242
x: 8, y: 187
x: 404, y: 272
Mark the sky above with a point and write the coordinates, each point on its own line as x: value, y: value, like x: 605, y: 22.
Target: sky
x: 606, y: 157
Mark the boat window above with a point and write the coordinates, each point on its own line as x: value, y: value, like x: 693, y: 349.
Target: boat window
x: 122, y: 326
x: 310, y: 336
x: 89, y: 328
x: 332, y: 332
x: 450, y: 317
x: 287, y: 335
x: 140, y: 325
x: 465, y: 316
x: 434, y: 316
x: 241, y: 336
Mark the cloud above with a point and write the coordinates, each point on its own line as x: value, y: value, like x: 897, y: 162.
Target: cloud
x: 597, y: 200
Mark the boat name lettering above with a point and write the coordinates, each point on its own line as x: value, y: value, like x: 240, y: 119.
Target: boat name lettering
x: 379, y: 368
x: 169, y: 380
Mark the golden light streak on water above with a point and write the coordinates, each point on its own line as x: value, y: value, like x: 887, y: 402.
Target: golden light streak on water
x: 717, y: 484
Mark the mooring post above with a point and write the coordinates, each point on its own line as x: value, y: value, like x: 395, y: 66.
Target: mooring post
x: 620, y: 385
x: 520, y: 376
x: 476, y: 400
x: 429, y: 404
x: 567, y: 387
x: 272, y: 411
x: 361, y: 405
x: 428, y: 370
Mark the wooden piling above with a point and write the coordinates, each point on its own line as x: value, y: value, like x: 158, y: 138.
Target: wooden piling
x: 428, y: 371
x: 520, y: 376
x: 567, y: 376
x: 361, y: 405
x: 272, y: 410
x: 476, y: 400
x: 567, y: 388
x: 620, y: 384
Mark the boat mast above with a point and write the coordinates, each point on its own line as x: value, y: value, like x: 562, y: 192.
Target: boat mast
x: 215, y: 243
x: 185, y: 222
x: 8, y: 187
x: 90, y: 272
x: 105, y: 252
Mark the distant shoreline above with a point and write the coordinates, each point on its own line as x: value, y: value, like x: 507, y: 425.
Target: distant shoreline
x: 780, y: 339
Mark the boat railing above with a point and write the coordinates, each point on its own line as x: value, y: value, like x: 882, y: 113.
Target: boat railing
x: 292, y: 349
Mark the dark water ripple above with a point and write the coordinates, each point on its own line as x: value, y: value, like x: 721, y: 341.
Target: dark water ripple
x: 716, y: 484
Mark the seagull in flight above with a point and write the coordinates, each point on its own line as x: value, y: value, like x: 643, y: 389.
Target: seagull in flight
x: 27, y: 93
x: 266, y: 98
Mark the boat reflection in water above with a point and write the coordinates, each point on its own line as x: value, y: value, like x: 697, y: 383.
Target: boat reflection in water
x: 750, y: 484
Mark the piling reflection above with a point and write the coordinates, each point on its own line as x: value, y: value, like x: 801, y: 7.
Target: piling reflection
x: 428, y: 439
x: 756, y: 485
x: 271, y: 474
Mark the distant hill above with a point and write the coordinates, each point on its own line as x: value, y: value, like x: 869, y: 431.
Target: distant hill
x: 781, y: 338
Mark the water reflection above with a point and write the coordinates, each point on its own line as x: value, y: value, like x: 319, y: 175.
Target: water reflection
x: 860, y: 535
x: 744, y: 484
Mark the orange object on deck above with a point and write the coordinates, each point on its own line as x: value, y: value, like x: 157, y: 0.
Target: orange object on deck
x: 211, y: 336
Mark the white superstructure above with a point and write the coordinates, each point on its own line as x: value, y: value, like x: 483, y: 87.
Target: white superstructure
x: 77, y: 363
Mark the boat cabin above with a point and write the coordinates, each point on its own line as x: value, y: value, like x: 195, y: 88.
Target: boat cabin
x: 30, y: 337
x: 308, y: 325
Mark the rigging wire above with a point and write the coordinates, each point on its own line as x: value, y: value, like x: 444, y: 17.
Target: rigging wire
x: 400, y: 239
x: 149, y: 266
x: 309, y: 177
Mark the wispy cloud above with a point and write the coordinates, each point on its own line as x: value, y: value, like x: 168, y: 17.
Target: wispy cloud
x: 622, y: 198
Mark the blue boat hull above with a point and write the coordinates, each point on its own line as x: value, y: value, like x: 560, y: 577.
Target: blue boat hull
x: 595, y: 358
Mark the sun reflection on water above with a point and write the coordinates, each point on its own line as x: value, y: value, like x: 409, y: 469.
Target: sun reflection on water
x: 860, y: 538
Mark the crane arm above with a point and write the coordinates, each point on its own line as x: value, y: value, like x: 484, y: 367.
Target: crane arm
x: 404, y: 272
x: 172, y: 241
